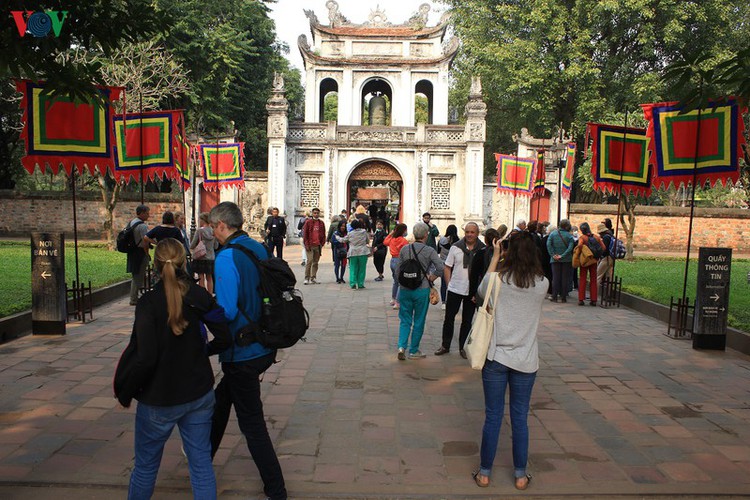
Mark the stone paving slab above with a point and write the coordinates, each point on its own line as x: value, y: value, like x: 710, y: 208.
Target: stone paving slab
x: 618, y: 409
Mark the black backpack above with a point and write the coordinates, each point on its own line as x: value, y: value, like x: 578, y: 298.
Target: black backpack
x: 126, y: 240
x: 595, y: 247
x: 284, y: 320
x: 410, y: 272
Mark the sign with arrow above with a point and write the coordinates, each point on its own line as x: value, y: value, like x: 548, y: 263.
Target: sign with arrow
x: 48, y: 294
x: 712, y: 298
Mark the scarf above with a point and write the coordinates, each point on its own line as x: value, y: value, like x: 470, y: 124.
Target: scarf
x: 468, y: 254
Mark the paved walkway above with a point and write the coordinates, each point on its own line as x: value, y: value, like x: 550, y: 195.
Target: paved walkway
x: 618, y: 409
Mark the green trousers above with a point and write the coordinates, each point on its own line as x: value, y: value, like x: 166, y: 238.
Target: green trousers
x: 357, y: 268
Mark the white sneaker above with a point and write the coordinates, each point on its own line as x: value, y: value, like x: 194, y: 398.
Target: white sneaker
x: 393, y: 302
x: 395, y: 305
x: 443, y: 306
x: 313, y: 281
x: 417, y: 355
x: 307, y: 282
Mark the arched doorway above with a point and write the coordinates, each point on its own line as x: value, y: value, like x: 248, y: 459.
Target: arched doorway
x: 376, y: 182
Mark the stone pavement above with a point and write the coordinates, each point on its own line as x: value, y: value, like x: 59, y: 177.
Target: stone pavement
x: 618, y: 410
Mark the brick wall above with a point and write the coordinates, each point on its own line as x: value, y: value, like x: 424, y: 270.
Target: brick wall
x: 53, y: 212
x: 665, y: 229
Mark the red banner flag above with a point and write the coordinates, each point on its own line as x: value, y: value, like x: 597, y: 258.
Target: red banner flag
x: 674, y: 152
x: 570, y: 165
x: 60, y: 131
x: 145, y: 144
x: 619, y: 159
x: 540, y: 179
x: 515, y: 175
x: 222, y: 165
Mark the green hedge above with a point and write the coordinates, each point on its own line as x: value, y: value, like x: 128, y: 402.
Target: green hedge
x: 661, y: 279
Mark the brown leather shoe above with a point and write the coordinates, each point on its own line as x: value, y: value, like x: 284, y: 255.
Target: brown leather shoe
x: 442, y: 351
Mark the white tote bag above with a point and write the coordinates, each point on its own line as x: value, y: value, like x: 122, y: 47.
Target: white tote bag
x: 478, y: 342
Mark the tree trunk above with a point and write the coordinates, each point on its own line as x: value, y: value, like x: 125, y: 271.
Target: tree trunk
x: 627, y: 209
x: 109, y: 200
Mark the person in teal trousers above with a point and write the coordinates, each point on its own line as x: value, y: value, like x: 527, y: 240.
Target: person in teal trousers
x: 415, y: 302
x: 359, y: 250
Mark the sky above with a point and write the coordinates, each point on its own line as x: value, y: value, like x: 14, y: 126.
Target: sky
x: 291, y: 21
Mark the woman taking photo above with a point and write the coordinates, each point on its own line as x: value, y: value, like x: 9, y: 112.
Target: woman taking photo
x: 512, y: 358
x: 166, y: 368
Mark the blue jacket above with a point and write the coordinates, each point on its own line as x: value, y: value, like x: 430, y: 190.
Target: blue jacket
x: 560, y: 242
x: 236, y: 283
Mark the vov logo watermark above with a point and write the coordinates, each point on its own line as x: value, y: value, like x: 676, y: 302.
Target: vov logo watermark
x: 40, y: 23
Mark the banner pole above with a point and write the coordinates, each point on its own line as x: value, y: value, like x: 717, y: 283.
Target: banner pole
x: 140, y: 145
x: 619, y: 186
x: 692, y: 202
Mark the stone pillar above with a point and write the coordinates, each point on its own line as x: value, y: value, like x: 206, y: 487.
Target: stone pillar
x: 278, y: 122
x: 476, y: 128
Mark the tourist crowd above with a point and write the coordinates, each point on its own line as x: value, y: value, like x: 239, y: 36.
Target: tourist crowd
x: 166, y: 368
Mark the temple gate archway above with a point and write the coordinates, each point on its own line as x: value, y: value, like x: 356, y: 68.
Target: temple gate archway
x: 378, y: 182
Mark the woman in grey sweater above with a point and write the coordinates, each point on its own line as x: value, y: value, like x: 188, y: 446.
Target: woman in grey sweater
x: 415, y: 302
x: 513, y: 357
x: 359, y: 250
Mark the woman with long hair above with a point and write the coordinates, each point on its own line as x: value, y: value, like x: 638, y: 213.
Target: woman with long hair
x: 166, y: 368
x: 395, y: 242
x: 204, y: 266
x: 444, y: 246
x: 513, y: 357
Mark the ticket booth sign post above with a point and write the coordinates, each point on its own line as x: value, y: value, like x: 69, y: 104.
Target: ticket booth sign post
x: 48, y: 292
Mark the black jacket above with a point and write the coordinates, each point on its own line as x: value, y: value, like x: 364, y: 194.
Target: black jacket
x: 160, y: 368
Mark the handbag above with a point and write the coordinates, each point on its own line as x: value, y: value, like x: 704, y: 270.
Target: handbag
x: 199, y: 252
x: 434, y: 295
x: 480, y: 335
x: 124, y: 371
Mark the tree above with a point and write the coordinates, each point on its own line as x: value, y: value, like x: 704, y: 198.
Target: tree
x: 101, y: 25
x: 230, y: 50
x: 572, y: 61
x: 152, y: 77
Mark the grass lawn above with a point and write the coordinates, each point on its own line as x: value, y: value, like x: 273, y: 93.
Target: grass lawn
x: 96, y: 264
x: 658, y: 280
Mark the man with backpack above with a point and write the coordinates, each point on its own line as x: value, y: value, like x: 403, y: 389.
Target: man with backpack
x: 604, y: 268
x: 137, y: 250
x: 236, y: 283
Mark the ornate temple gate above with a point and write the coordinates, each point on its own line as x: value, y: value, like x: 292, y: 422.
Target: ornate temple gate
x: 373, y: 174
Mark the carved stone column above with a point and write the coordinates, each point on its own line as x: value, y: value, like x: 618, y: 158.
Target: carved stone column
x: 476, y: 128
x: 278, y: 121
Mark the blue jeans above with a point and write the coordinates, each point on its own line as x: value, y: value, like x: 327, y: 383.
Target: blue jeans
x: 339, y: 265
x: 153, y: 425
x: 394, y: 269
x: 495, y: 377
x: 412, y: 315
